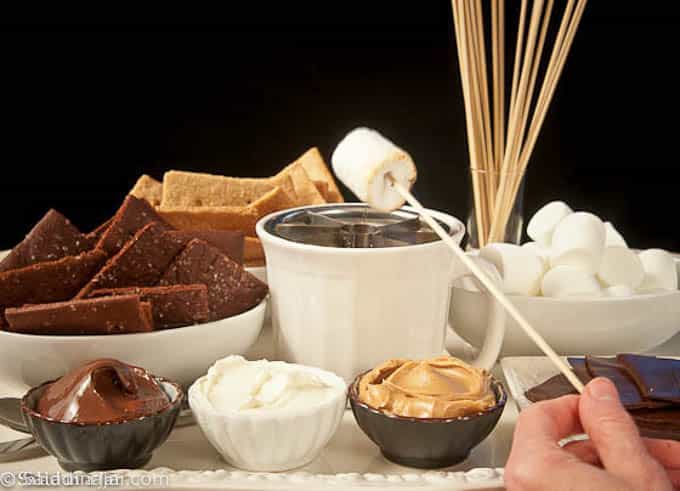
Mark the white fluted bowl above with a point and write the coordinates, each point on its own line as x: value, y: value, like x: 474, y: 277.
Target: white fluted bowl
x: 273, y: 440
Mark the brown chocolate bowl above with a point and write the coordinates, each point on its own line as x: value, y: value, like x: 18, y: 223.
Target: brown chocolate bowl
x: 102, y: 446
x: 426, y: 443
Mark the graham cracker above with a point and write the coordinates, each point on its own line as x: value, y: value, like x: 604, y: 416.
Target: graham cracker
x: 253, y: 253
x: 195, y: 189
x: 149, y: 189
x: 316, y: 168
x: 306, y: 192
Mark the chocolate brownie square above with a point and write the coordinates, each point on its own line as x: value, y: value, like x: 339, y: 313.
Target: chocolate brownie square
x: 52, y: 238
x: 229, y: 242
x: 108, y: 315
x: 141, y: 261
x: 50, y: 281
x: 133, y: 215
x: 231, y: 289
x: 171, y: 306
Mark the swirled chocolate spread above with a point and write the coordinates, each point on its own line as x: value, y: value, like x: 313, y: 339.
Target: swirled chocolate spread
x: 443, y: 387
x: 103, y: 391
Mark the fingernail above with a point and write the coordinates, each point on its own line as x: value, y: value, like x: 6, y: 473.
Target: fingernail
x: 602, y: 389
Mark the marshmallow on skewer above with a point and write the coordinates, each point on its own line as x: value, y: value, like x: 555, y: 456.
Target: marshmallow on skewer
x: 620, y: 266
x: 520, y: 267
x: 660, y: 270
x: 363, y: 159
x: 543, y: 223
x: 578, y: 240
x: 570, y: 281
x: 612, y: 236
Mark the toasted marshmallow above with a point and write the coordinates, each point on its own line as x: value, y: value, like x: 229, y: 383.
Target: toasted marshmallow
x: 612, y: 236
x: 578, y: 240
x: 363, y: 159
x: 620, y: 266
x: 520, y: 267
x: 570, y: 281
x: 543, y: 223
x: 660, y: 270
x: 618, y: 291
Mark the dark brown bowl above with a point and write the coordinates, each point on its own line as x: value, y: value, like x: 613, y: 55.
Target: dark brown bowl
x: 426, y: 443
x: 102, y: 446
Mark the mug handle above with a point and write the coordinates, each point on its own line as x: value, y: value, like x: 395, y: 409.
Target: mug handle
x: 495, y: 329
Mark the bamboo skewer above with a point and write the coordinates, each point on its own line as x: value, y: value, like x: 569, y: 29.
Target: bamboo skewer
x: 500, y: 148
x: 488, y: 284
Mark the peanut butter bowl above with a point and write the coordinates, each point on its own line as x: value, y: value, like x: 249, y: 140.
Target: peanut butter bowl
x: 429, y: 413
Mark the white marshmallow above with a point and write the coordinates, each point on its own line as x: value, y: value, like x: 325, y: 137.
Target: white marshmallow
x: 612, y: 236
x: 542, y: 252
x: 520, y: 267
x: 620, y: 266
x: 543, y: 223
x: 660, y: 270
x: 570, y: 281
x: 578, y: 240
x: 618, y: 291
x: 361, y: 161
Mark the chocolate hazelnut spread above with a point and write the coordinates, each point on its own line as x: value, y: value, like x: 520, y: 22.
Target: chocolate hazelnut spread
x: 443, y: 387
x: 103, y: 391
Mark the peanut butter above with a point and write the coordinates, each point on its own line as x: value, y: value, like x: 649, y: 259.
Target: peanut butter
x: 443, y: 387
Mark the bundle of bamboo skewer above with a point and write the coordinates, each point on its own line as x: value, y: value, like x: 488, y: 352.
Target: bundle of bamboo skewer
x: 500, y: 140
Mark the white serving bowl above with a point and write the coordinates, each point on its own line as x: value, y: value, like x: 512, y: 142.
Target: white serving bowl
x: 272, y: 440
x: 604, y: 325
x: 181, y: 354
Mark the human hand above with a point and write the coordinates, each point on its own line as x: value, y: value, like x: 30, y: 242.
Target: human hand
x: 615, y: 457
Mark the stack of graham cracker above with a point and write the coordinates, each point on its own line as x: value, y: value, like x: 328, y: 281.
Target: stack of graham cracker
x: 197, y: 201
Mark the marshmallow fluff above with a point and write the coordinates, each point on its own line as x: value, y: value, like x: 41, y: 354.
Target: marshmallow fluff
x: 362, y: 161
x: 235, y: 384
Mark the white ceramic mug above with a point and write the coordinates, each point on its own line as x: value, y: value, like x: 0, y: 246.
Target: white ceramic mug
x: 348, y: 309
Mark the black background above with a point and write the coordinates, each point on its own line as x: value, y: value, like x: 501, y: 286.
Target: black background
x: 89, y: 106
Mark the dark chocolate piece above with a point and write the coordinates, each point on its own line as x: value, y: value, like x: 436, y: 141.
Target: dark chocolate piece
x: 656, y: 378
x: 171, y: 306
x: 133, y: 214
x: 106, y: 315
x: 52, y: 238
x: 629, y: 394
x: 231, y: 289
x: 229, y: 242
x: 51, y: 281
x: 558, y: 385
x: 141, y: 262
x: 103, y: 391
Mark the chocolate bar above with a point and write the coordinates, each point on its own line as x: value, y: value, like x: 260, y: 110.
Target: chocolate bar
x: 133, y: 215
x: 655, y: 381
x: 629, y: 394
x: 231, y: 289
x: 171, y: 306
x: 51, y: 281
x: 229, y: 242
x: 52, y: 238
x: 638, y: 379
x: 108, y: 315
x: 140, y: 262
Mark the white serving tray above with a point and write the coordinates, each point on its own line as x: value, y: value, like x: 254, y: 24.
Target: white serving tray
x: 350, y: 461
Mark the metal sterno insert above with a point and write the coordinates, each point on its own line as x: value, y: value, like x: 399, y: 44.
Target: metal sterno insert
x: 353, y: 226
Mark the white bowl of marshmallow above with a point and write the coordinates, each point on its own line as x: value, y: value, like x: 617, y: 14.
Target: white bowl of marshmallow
x: 578, y: 284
